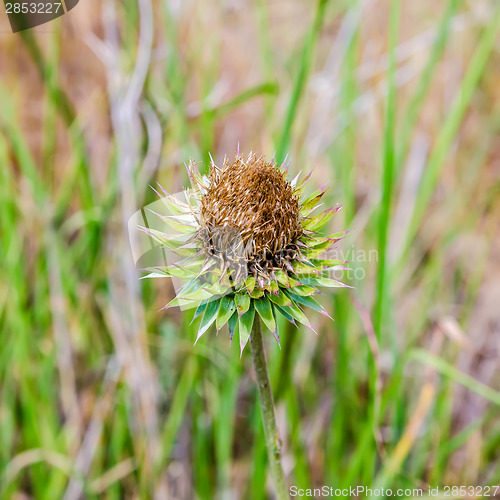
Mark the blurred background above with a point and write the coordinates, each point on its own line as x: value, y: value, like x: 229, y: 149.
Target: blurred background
x: 395, y: 103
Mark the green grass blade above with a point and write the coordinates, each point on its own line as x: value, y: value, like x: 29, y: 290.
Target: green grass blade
x: 301, y: 79
x: 452, y: 124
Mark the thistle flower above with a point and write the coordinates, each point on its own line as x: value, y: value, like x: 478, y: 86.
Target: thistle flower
x: 250, y: 246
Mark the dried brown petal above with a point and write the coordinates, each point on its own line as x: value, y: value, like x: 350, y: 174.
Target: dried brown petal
x: 253, y: 197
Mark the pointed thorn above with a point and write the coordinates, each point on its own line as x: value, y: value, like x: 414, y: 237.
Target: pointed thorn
x: 158, y: 194
x: 277, y: 338
x: 310, y: 327
x: 198, y: 337
x: 308, y: 177
x: 164, y: 191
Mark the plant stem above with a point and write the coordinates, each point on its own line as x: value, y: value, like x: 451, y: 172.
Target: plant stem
x: 273, y: 442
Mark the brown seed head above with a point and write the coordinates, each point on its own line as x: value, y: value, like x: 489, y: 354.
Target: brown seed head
x: 253, y: 197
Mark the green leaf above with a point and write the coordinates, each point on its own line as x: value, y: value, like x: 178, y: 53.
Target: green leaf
x: 312, y: 202
x: 293, y: 283
x: 226, y: 310
x: 208, y: 318
x: 250, y: 283
x: 274, y: 287
x: 166, y: 240
x: 257, y: 293
x: 232, y: 324
x: 218, y: 288
x: 242, y: 301
x: 318, y: 221
x: 324, y: 241
x: 155, y: 275
x: 300, y: 187
x: 263, y: 307
x: 327, y: 282
x: 305, y: 290
x: 245, y: 327
x: 284, y: 313
x: 198, y: 295
x: 281, y: 299
x: 188, y: 269
x: 180, y: 302
x: 276, y: 333
x: 323, y: 263
x: 317, y: 251
x: 174, y: 205
x: 190, y: 287
x: 301, y: 268
x: 313, y: 199
x: 309, y: 302
x: 185, y: 224
x: 200, y: 310
x: 282, y: 277
x: 295, y: 312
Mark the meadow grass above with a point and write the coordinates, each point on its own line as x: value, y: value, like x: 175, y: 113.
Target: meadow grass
x: 104, y: 396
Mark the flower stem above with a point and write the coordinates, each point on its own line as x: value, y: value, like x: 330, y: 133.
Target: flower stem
x: 273, y: 442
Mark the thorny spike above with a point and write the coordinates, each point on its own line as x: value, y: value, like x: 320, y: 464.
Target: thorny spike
x: 211, y: 159
x: 248, y: 222
x: 284, y: 161
x: 253, y: 197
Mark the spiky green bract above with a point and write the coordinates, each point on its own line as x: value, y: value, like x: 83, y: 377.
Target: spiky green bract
x: 249, y: 244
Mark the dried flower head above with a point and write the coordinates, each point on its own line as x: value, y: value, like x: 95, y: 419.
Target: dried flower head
x: 255, y: 198
x: 252, y: 246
